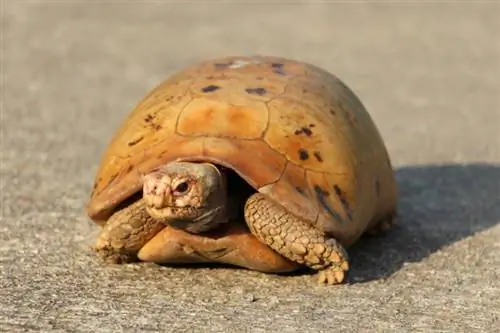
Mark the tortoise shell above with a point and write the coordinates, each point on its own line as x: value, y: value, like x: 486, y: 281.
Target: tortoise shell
x: 292, y: 131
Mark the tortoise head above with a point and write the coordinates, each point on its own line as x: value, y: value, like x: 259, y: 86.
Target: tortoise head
x: 185, y: 195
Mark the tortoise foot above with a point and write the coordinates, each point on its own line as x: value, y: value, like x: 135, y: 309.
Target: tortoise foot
x: 296, y: 239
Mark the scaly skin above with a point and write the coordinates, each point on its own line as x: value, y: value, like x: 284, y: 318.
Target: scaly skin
x: 296, y: 239
x: 126, y: 232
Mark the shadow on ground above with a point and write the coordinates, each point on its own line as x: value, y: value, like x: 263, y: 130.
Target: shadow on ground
x: 439, y: 205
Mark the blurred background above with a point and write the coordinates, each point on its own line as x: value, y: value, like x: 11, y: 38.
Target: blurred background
x: 426, y: 71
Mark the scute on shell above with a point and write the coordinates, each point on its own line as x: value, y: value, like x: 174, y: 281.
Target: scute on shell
x: 293, y: 131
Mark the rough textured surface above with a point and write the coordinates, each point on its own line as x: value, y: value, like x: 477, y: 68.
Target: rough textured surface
x: 296, y: 239
x: 125, y: 233
x: 427, y: 73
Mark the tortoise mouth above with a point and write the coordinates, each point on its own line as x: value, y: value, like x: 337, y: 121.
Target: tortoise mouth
x: 197, y: 226
x: 172, y: 213
x: 189, y: 218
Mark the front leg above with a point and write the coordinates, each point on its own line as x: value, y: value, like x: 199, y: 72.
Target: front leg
x: 126, y: 232
x: 296, y: 239
x: 131, y: 234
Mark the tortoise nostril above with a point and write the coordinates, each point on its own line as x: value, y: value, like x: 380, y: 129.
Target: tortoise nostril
x: 150, y: 188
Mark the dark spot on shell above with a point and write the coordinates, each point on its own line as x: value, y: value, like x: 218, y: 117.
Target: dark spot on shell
x: 134, y: 142
x: 343, y: 200
x: 337, y: 190
x: 163, y: 153
x: 96, y: 185
x: 256, y: 91
x: 111, y: 180
x: 149, y: 118
x: 210, y: 88
x: 320, y: 191
x: 377, y: 188
x: 94, y: 188
x: 298, y: 189
x: 278, y: 68
x: 303, y: 154
x: 332, y: 111
x: 321, y: 196
x: 304, y: 130
x: 318, y: 156
x: 130, y: 168
x: 168, y: 99
x: 312, y: 125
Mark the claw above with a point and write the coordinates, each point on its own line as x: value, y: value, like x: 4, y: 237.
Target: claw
x: 339, y: 276
x: 322, y: 277
x: 331, y: 276
x: 334, y: 257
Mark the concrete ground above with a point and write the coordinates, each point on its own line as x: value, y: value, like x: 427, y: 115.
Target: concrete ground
x: 428, y: 73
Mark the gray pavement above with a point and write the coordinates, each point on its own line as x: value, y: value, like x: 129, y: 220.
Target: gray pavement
x: 428, y: 73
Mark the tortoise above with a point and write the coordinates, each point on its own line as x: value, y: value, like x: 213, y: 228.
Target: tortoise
x: 262, y: 162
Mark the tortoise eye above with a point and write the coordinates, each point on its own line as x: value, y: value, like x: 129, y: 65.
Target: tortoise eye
x: 182, y: 188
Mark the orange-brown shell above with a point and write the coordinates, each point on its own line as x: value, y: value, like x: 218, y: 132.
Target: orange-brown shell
x: 292, y: 130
